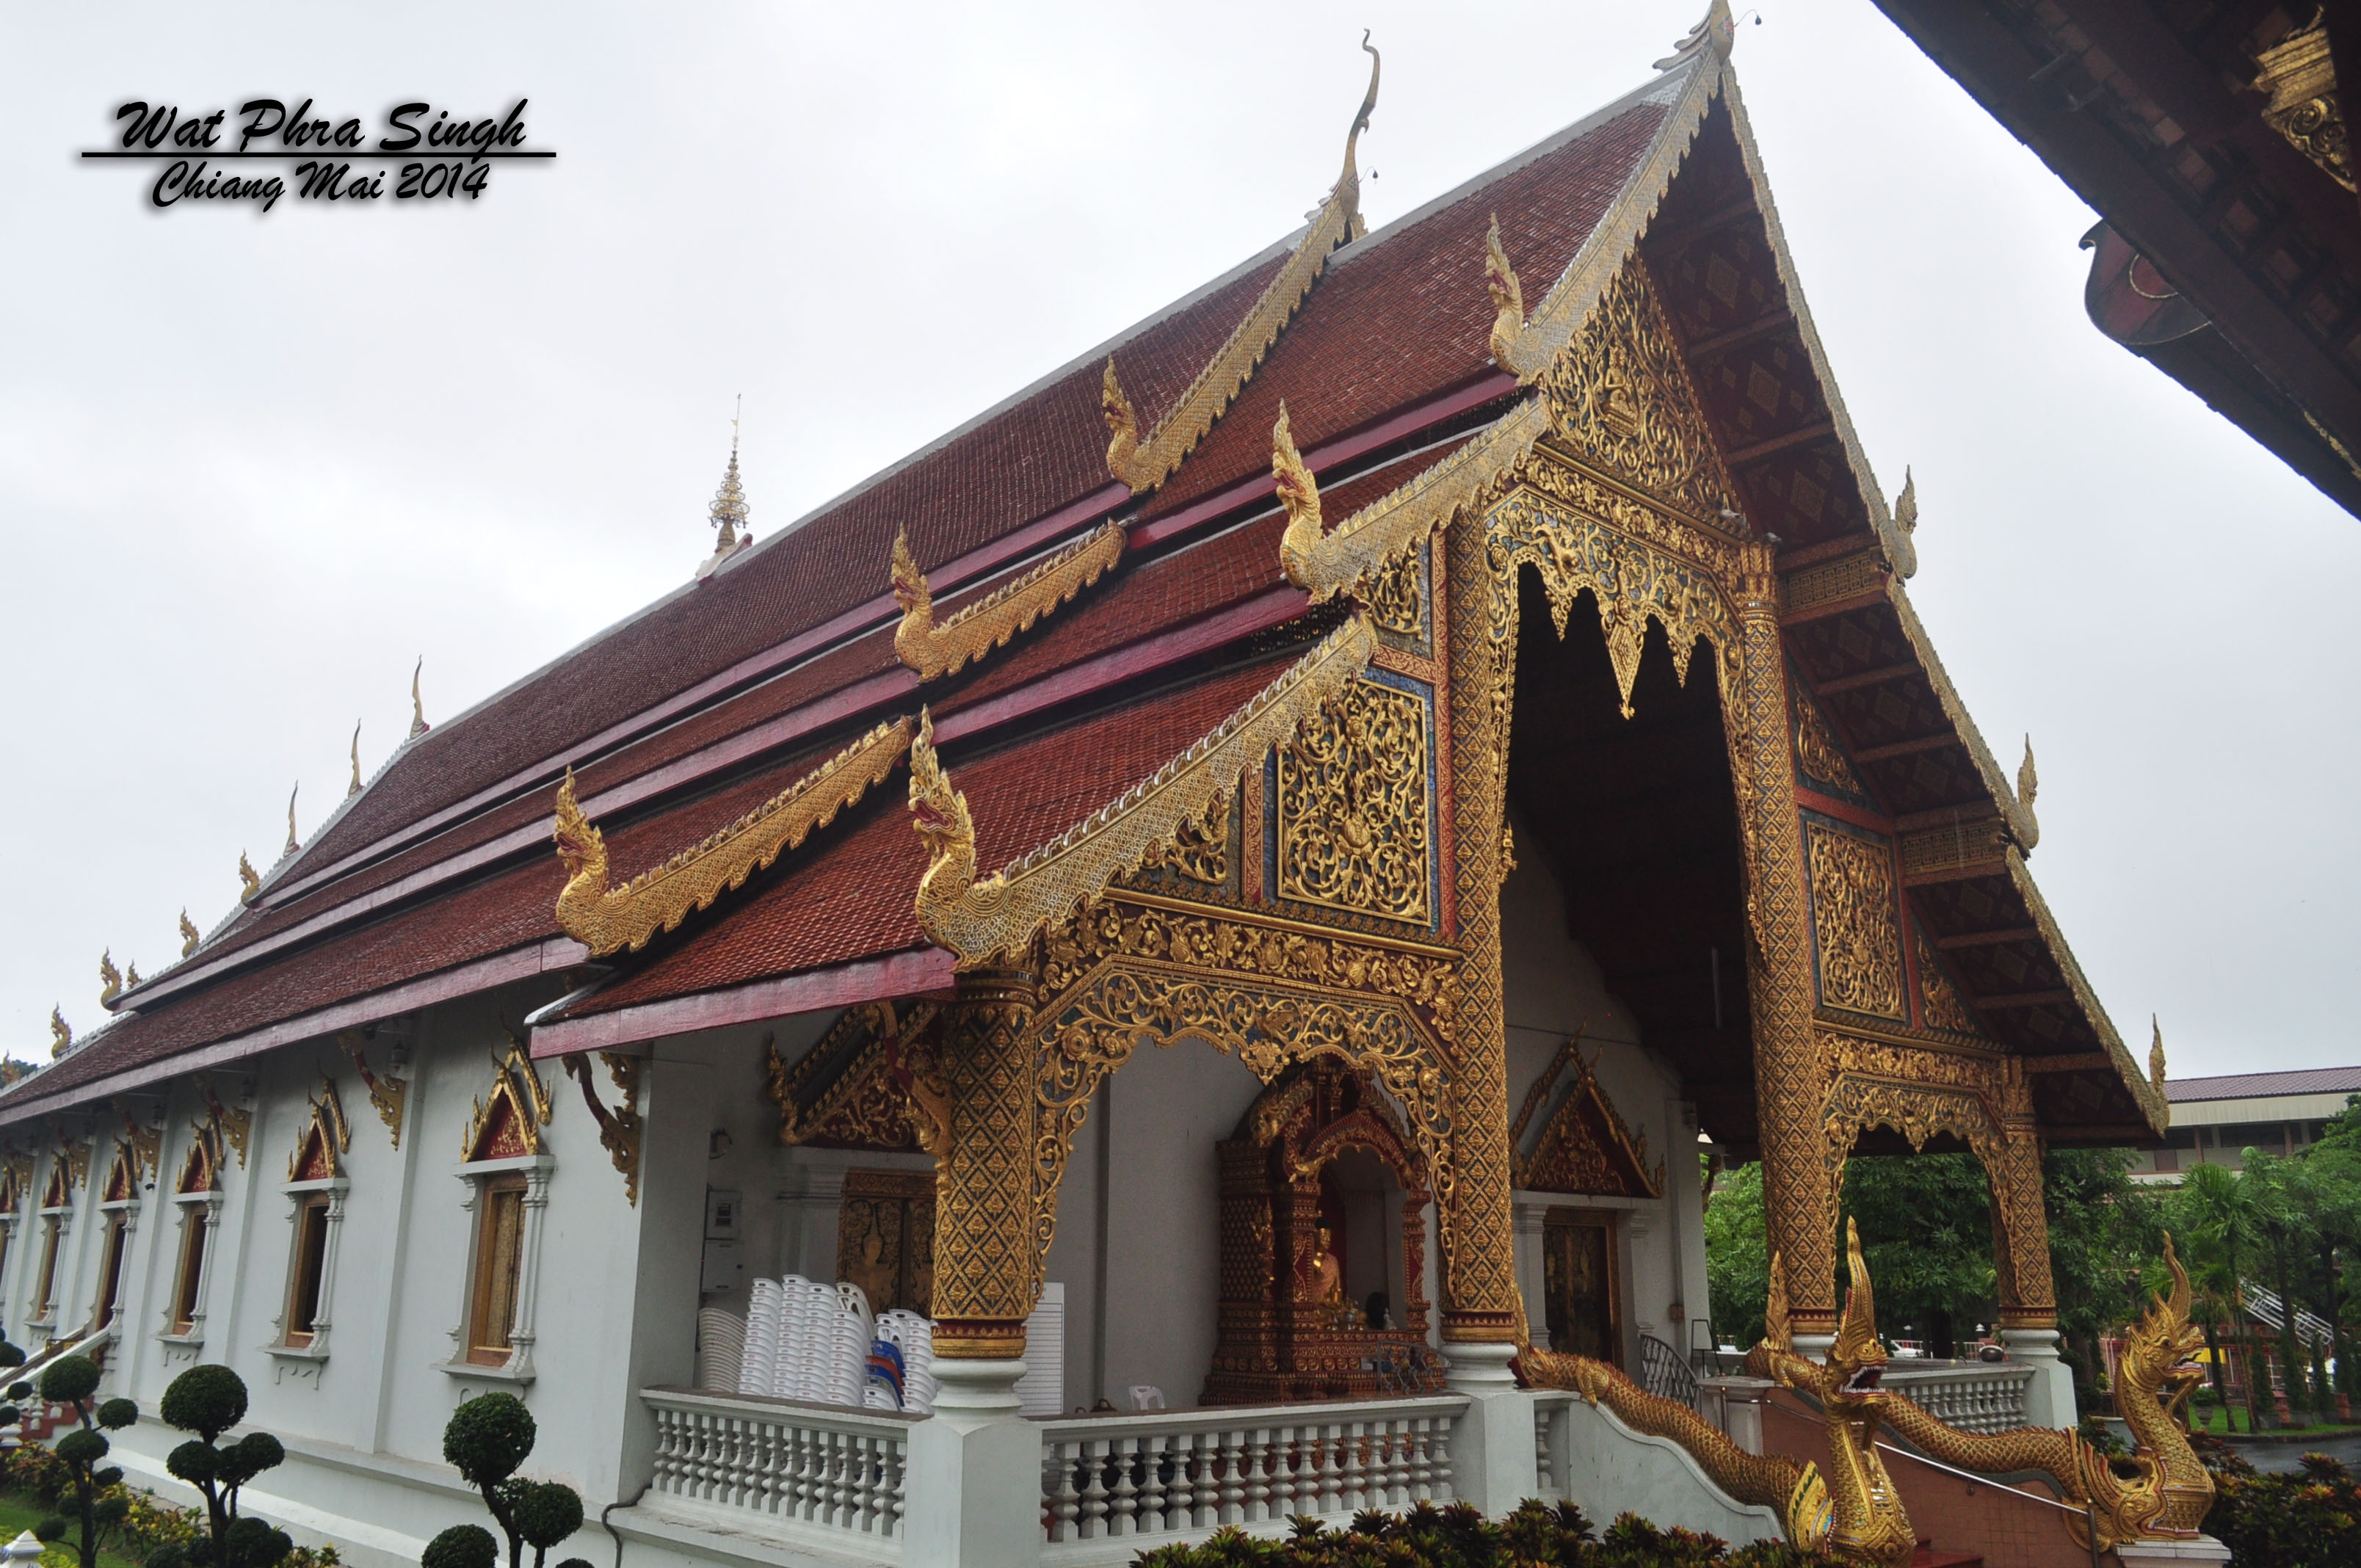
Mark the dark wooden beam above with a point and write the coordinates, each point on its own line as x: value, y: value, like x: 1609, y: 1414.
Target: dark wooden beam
x: 1871, y: 599
x: 2087, y: 1061
x: 1721, y: 217
x: 1706, y: 347
x: 1989, y: 939
x: 1876, y: 677
x: 2024, y: 999
x: 1802, y: 436
x: 1905, y: 747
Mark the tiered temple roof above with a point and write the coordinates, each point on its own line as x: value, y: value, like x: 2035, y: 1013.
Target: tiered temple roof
x: 438, y: 880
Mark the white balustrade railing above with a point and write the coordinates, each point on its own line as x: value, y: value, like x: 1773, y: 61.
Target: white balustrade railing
x: 1975, y: 1396
x: 1164, y: 1473
x: 1551, y: 1437
x: 833, y: 1468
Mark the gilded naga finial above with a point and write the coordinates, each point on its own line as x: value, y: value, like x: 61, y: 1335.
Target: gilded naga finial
x: 189, y: 935
x: 1123, y: 431
x: 355, y: 787
x: 130, y: 975
x: 1905, y: 505
x: 1508, y: 298
x: 1717, y: 32
x: 939, y: 814
x: 1776, y: 1332
x: 293, y: 842
x: 250, y: 879
x: 110, y: 978
x: 2156, y: 1053
x: 1299, y: 494
x: 60, y: 1033
x: 418, y: 725
x: 2028, y: 781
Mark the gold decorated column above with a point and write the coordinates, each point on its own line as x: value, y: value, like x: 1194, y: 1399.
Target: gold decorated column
x: 1480, y: 1303
x: 1790, y: 1083
x: 2029, y: 1294
x: 984, y: 1180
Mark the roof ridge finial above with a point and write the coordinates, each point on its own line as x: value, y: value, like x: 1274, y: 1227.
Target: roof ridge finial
x: 2028, y: 782
x: 1349, y: 181
x: 1718, y: 32
x: 355, y: 788
x: 2156, y: 1053
x: 293, y: 841
x: 189, y: 935
x: 418, y: 725
x: 729, y: 514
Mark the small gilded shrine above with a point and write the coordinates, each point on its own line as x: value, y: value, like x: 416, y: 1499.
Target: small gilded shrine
x: 1292, y: 1325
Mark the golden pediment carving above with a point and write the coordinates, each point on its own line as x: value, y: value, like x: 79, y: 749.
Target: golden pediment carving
x: 320, y: 1149
x: 508, y: 1118
x: 1620, y: 399
x: 1584, y: 1147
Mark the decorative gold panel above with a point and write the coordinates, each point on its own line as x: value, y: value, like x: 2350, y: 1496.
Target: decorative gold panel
x: 940, y: 648
x: 1847, y: 576
x: 1621, y: 399
x: 1398, y: 597
x: 1939, y: 1006
x: 1353, y: 807
x: 1854, y: 924
x: 2301, y: 77
x: 1817, y: 751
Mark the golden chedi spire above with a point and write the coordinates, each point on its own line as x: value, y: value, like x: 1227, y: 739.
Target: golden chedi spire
x: 418, y: 725
x: 729, y: 514
x: 189, y: 935
x: 110, y: 978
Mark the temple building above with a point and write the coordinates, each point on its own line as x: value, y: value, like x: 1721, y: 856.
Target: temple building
x: 1201, y: 923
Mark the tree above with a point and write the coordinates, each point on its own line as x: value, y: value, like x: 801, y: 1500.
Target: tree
x: 2102, y: 1224
x: 70, y: 1381
x: 1737, y: 1256
x: 208, y: 1401
x: 2221, y: 1216
x: 1926, y: 1234
x: 487, y: 1439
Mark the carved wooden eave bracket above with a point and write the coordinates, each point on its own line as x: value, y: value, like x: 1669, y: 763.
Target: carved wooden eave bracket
x: 610, y: 919
x: 1001, y: 914
x: 1145, y: 462
x: 1350, y: 557
x: 619, y: 1129
x: 937, y: 649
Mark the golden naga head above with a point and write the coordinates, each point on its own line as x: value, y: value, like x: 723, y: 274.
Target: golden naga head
x: 1507, y: 297
x: 110, y: 978
x: 1122, y: 421
x: 938, y: 812
x: 60, y: 1032
x: 910, y: 590
x: 1856, y: 1361
x: 2157, y: 1345
x: 189, y: 935
x: 1298, y: 492
x: 579, y: 843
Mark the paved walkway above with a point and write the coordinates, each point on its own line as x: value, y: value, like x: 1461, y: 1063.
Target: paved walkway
x: 2288, y: 1456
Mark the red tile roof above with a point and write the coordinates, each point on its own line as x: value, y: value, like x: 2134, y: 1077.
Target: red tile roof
x: 1401, y: 319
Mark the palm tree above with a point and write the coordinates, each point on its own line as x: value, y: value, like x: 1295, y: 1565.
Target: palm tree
x: 2219, y: 1211
x: 2277, y: 1189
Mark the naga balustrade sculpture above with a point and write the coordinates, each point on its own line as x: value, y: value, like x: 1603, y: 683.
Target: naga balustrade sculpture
x: 2167, y: 1497
x: 1791, y: 1486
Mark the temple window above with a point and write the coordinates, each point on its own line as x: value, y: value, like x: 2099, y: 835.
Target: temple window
x: 505, y: 1166
x: 315, y: 1190
x: 198, y: 1198
x: 57, y: 1219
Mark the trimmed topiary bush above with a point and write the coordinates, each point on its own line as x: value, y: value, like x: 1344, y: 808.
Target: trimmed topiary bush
x: 461, y: 1546
x: 487, y: 1439
x: 208, y: 1401
x: 69, y: 1381
x: 1456, y: 1535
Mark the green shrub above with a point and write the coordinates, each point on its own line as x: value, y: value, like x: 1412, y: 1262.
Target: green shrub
x: 208, y: 1401
x: 487, y: 1439
x: 2303, y: 1520
x: 1536, y: 1535
x: 461, y: 1546
x: 74, y: 1460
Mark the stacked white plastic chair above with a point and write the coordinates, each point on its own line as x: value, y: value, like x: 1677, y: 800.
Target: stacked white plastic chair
x: 914, y: 1336
x: 754, y: 1364
x: 721, y: 1351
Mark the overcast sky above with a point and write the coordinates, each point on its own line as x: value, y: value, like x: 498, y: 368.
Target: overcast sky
x: 253, y: 466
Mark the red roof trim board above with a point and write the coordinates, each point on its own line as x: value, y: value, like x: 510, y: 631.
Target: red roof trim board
x: 911, y: 973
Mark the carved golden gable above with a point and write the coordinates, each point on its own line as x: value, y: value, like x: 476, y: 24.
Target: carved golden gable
x: 1584, y: 1147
